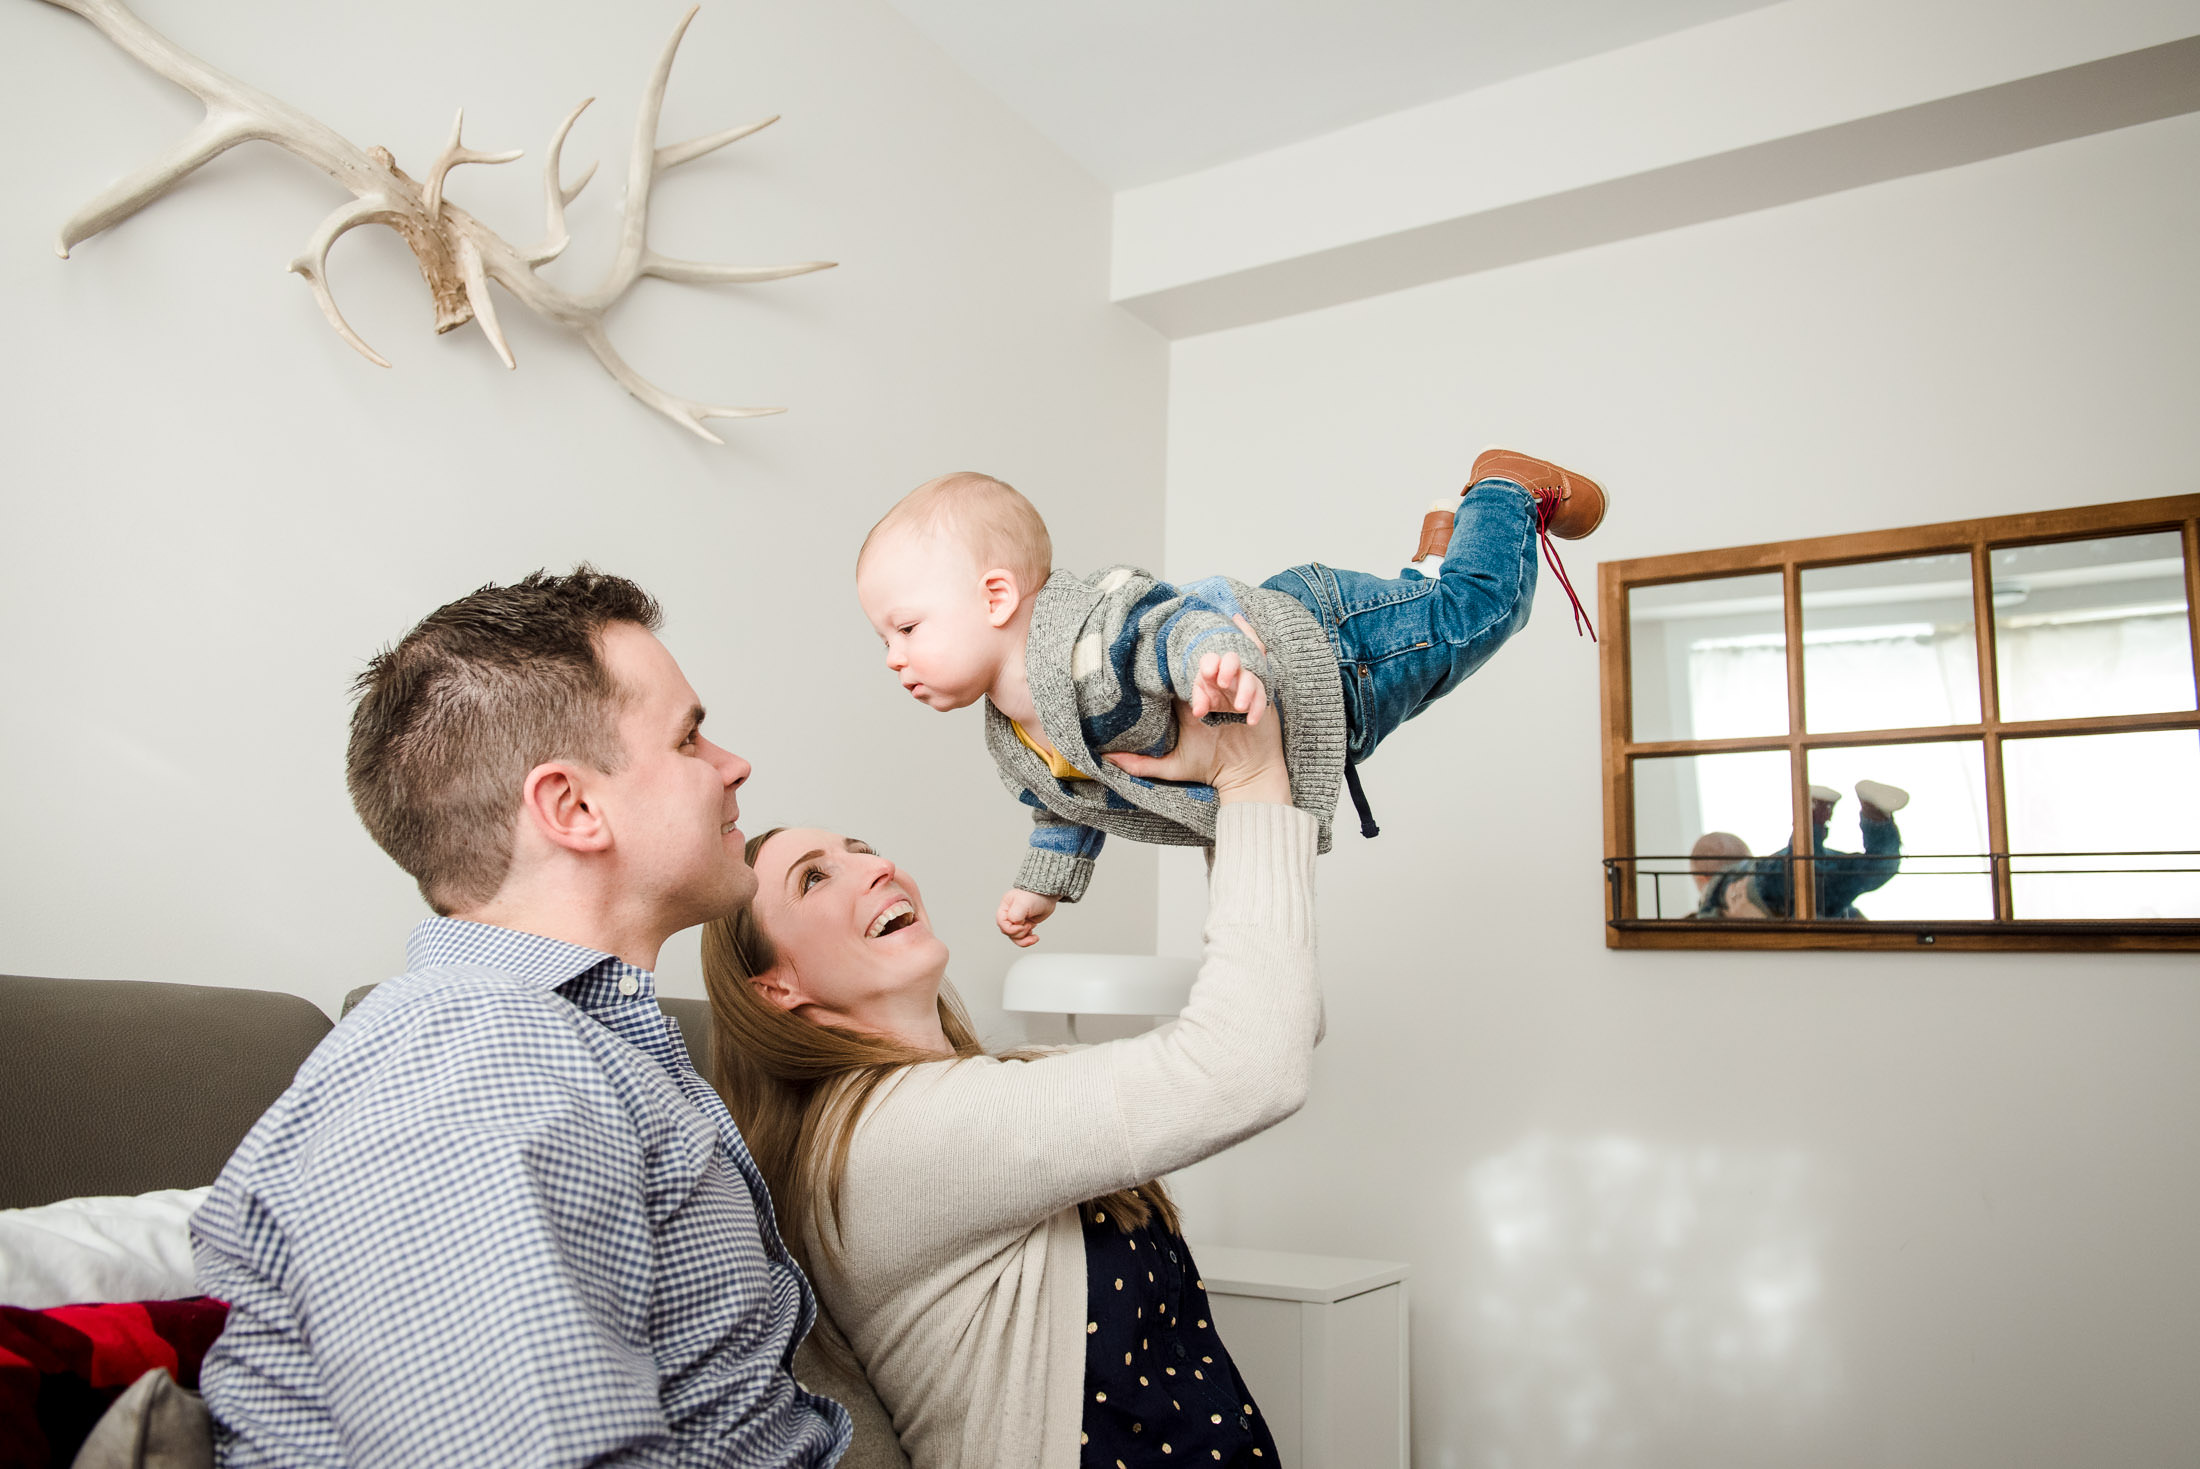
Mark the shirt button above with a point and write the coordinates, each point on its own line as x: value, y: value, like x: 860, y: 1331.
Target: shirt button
x: 630, y: 985
x: 1180, y: 1351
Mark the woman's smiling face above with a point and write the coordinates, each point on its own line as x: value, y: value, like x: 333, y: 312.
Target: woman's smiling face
x: 853, y: 942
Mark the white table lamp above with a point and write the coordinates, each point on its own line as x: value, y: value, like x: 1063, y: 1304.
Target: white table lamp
x: 1098, y: 984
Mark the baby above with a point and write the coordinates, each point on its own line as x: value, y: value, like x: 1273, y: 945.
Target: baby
x: 957, y: 580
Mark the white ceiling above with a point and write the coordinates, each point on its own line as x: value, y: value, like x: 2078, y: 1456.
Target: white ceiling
x: 1140, y: 90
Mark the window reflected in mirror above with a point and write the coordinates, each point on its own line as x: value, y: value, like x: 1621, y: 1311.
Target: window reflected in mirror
x: 2112, y: 793
x: 1889, y: 644
x: 1905, y: 835
x: 1708, y: 659
x: 2092, y: 627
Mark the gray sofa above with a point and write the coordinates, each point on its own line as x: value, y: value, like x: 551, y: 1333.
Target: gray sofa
x: 123, y: 1087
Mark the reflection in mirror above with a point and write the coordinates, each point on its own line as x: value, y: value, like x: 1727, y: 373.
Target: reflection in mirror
x: 1914, y: 818
x: 1704, y: 814
x: 2092, y: 627
x: 1889, y: 644
x: 1708, y: 659
x: 2112, y: 793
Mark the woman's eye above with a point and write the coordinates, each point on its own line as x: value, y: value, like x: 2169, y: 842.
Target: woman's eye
x: 810, y: 879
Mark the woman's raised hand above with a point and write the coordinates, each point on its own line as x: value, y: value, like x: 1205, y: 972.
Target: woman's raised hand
x: 1243, y: 762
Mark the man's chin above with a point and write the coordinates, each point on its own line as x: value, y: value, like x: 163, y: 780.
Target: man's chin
x: 734, y: 889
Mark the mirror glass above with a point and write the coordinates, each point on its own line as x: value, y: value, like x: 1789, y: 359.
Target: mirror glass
x: 1889, y: 644
x: 1708, y: 659
x: 2098, y: 794
x: 2092, y: 627
x: 1921, y: 855
x: 1698, y: 814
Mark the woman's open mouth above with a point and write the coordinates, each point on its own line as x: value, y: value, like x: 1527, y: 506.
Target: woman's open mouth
x: 897, y: 916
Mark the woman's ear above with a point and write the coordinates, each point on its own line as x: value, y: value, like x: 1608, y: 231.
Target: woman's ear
x: 776, y: 987
x: 1002, y: 596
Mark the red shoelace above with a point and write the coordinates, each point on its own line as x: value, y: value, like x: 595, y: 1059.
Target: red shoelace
x: 1545, y: 507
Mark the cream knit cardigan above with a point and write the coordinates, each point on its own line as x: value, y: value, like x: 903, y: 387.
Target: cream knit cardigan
x: 960, y: 1278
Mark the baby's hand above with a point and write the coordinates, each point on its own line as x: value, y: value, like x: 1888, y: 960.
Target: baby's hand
x: 1021, y: 914
x: 1224, y: 685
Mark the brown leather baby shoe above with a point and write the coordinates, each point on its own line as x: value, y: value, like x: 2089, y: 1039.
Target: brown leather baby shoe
x: 1572, y: 504
x: 1435, y: 532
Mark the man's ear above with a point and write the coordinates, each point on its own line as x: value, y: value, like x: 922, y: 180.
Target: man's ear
x: 555, y: 801
x: 1002, y: 596
x: 776, y: 987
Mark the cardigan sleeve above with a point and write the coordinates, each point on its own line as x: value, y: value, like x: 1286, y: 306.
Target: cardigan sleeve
x: 953, y: 1152
x: 1058, y: 862
x: 1176, y: 635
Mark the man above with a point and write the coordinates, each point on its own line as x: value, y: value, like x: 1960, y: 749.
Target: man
x: 499, y: 1218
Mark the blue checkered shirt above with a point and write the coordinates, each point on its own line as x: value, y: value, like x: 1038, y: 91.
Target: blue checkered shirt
x: 499, y: 1219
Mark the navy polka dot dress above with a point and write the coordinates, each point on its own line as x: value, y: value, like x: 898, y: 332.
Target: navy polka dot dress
x: 1160, y: 1388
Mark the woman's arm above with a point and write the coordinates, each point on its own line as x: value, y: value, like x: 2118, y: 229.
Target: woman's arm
x: 954, y: 1151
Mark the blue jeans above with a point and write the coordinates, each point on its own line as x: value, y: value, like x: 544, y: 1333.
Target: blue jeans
x: 1842, y: 877
x: 1404, y: 642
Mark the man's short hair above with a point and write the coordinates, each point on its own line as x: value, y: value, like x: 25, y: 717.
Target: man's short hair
x: 1000, y: 526
x: 450, y: 720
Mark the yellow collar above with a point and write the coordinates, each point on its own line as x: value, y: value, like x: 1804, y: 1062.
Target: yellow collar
x: 1058, y: 767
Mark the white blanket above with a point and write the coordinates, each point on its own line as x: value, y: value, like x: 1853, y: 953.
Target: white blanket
x: 82, y: 1251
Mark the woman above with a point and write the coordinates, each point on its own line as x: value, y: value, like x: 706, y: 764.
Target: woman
x: 986, y: 1230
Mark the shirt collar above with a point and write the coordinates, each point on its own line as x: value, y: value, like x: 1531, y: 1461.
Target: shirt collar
x: 550, y: 963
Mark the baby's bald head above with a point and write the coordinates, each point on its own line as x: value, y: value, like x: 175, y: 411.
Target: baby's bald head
x: 1714, y: 852
x: 985, y: 517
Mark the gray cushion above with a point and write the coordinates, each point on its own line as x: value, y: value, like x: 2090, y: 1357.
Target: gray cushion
x: 153, y: 1425
x: 117, y: 1087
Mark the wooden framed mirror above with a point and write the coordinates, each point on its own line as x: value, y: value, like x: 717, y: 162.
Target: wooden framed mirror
x: 1990, y: 728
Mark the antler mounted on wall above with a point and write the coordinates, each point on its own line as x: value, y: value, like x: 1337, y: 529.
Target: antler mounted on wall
x: 458, y: 254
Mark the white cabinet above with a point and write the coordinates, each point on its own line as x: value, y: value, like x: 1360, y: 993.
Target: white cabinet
x: 1321, y: 1341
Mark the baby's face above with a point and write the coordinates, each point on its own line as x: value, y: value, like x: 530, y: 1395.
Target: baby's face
x: 925, y: 597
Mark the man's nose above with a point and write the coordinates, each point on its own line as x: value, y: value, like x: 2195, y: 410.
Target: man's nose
x: 731, y: 767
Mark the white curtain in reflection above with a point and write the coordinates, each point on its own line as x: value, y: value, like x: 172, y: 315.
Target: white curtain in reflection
x: 2115, y: 665
x: 1892, y: 683
x: 2105, y: 793
x: 1736, y: 687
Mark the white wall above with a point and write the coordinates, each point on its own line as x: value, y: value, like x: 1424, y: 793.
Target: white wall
x: 215, y: 510
x: 1725, y: 1208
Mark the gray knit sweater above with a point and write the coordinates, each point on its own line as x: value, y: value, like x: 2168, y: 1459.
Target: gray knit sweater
x: 1107, y: 659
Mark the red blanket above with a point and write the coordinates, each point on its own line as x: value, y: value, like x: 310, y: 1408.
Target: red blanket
x: 59, y: 1369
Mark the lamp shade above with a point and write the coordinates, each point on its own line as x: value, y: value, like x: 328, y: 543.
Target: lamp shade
x: 1099, y: 984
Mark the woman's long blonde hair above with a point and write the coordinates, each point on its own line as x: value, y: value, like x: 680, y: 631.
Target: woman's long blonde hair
x: 797, y: 1089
